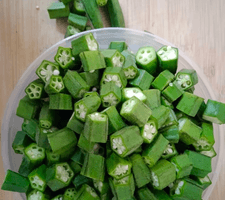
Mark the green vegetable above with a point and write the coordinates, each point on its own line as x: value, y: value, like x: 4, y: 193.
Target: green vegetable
x: 54, y: 85
x: 172, y: 92
x: 170, y: 151
x: 144, y: 194
x: 46, y: 117
x: 70, y: 30
x: 75, y: 125
x: 60, y: 102
x: 78, y: 7
x: 130, y: 68
x: 35, y: 194
x: 118, y: 45
x: 80, y: 180
x: 78, y: 156
x: 35, y: 90
x: 166, y: 103
x: 92, y: 79
x: 211, y: 153
x: 149, y: 131
x: 101, y: 2
x: 30, y: 127
x: 69, y: 194
x: 153, y: 98
x: 204, y: 182
x: 58, y: 10
x: 128, y: 93
x: 86, y: 145
x: 102, y: 187
x: 78, y: 21
x: 113, y: 58
x: 86, y: 192
x: 171, y: 133
x: 52, y: 158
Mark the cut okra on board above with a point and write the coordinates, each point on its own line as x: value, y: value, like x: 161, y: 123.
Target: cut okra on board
x: 138, y: 132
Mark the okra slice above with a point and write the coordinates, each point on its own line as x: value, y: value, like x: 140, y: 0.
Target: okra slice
x: 27, y: 108
x: 92, y: 78
x: 58, y: 197
x: 201, y: 164
x: 126, y: 141
x: 86, y: 106
x: 30, y: 127
x: 214, y: 112
x: 35, y: 90
x: 70, y: 30
x: 102, y: 187
x: 118, y: 45
x: 204, y: 182
x: 59, y: 176
x: 127, y: 93
x: 113, y: 58
x: 149, y: 131
x: 143, y: 80
x: 60, y: 102
x: 146, y: 59
x: 118, y: 167
x: 46, y: 70
x: 52, y: 158
x: 80, y: 180
x: 86, y: 192
x: 155, y: 150
x: 20, y: 142
x: 166, y: 103
x: 78, y: 7
x: 15, y: 182
x: 69, y: 194
x: 46, y: 117
x: 182, y: 164
x: 162, y: 174
x: 37, y: 178
x: 189, y: 104
x: 78, y: 156
x: 64, y: 55
x: 75, y: 167
x: 116, y: 75
x: 94, y: 167
x: 144, y: 193
x: 172, y: 92
x: 163, y: 80
x: 188, y: 131
x: 62, y: 140
x: 186, y: 78
x: 135, y: 111
x: 86, y: 145
x: 75, y: 125
x: 153, y: 98
x: 171, y: 133
x: 35, y: 194
x: 110, y: 94
x: 140, y: 170
x: 58, y: 10
x: 78, y: 21
x: 170, y: 151
x: 75, y: 84
x: 130, y: 68
x: 96, y: 127
x: 211, y: 153
x: 171, y: 120
x: 115, y: 121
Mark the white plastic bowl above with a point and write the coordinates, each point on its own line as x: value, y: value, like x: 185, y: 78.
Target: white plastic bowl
x: 135, y: 39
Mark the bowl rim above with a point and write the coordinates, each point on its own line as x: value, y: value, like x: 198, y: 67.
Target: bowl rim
x: 5, y: 127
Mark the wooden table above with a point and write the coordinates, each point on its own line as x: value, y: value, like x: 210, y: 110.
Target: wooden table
x: 197, y: 27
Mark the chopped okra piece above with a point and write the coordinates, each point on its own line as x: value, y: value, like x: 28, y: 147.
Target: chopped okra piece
x: 204, y: 182
x: 78, y: 21
x: 113, y: 58
x: 191, y: 90
x: 102, y: 187
x: 171, y: 120
x: 15, y: 182
x: 149, y: 131
x: 144, y: 194
x: 54, y: 85
x: 62, y: 140
x: 116, y: 75
x: 46, y: 117
x: 84, y: 43
x: 110, y: 94
x: 91, y: 94
x: 155, y: 150
x: 20, y: 142
x: 206, y: 141
x: 66, y: 155
x: 27, y: 108
x: 127, y: 93
x: 92, y: 60
x: 201, y: 111
x: 143, y: 80
x: 70, y: 30
x: 211, y: 153
x: 52, y: 158
x: 182, y: 164
x: 161, y: 195
x: 64, y: 56
x: 35, y: 194
x: 58, y: 197
x: 78, y: 7
x: 172, y: 92
x: 153, y: 98
x: 94, y: 167
x: 188, y: 131
x: 75, y: 125
x: 166, y: 103
x: 163, y: 80
x: 86, y: 106
x: 126, y: 141
x: 214, y: 112
x: 60, y: 102
x: 140, y: 170
x: 47, y: 69
x: 162, y: 174
x: 189, y: 104
x: 115, y: 121
x: 186, y: 78
x: 92, y: 78
x: 118, y: 167
x: 86, y: 145
x: 171, y: 133
x: 201, y: 164
x: 37, y: 178
x: 146, y: 59
x: 58, y: 10
x: 86, y: 192
x: 69, y: 194
x: 75, y: 167
x: 138, y: 150
x: 80, y: 180
x: 78, y: 156
x: 130, y: 68
x: 75, y: 84
x: 118, y: 45
x: 170, y: 151
x: 35, y: 90
x: 96, y: 127
x: 59, y: 176
x: 30, y: 127
x: 135, y: 111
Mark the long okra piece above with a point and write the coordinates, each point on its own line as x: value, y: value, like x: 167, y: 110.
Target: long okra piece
x: 46, y: 117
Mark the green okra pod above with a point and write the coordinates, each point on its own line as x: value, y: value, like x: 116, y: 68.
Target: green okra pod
x: 127, y: 93
x: 75, y: 124
x: 46, y: 117
x: 78, y: 21
x: 35, y: 90
x: 60, y: 102
x: 118, y: 45
x: 58, y: 10
x: 153, y: 98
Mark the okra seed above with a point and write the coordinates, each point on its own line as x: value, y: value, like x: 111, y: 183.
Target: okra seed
x: 56, y: 72
x: 142, y: 52
x: 145, y: 60
x: 148, y: 51
x: 171, y: 84
x: 140, y: 57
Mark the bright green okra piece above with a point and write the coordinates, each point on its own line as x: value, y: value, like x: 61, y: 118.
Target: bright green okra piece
x: 46, y: 117
x: 70, y: 30
x: 204, y: 182
x: 149, y: 131
x: 211, y: 153
x: 75, y: 167
x: 127, y: 93
x: 126, y: 141
x: 118, y: 167
x: 60, y: 102
x: 30, y: 127
x: 201, y: 111
x: 78, y: 156
x: 35, y: 90
x: 166, y: 103
x: 113, y: 58
x: 78, y: 21
x: 96, y: 127
x: 127, y: 53
x: 59, y: 176
x: 86, y: 106
x: 94, y: 167
x: 101, y: 2
x: 162, y: 174
x: 140, y: 170
x: 130, y: 68
x: 58, y: 10
x: 52, y: 158
x: 92, y: 79
x: 135, y: 111
x: 153, y: 98
x: 78, y: 7
x: 115, y: 121
x: 93, y: 93
x: 170, y: 151
x: 171, y: 120
x: 110, y: 94
x: 171, y: 133
x: 86, y: 192
x: 118, y: 45
x: 58, y: 197
x: 144, y: 194
x: 154, y: 151
x: 55, y: 85
x: 35, y: 194
x: 86, y: 145
x: 102, y: 187
x: 75, y: 124
x: 69, y: 194
x: 172, y: 92
x: 80, y: 180
x: 161, y: 195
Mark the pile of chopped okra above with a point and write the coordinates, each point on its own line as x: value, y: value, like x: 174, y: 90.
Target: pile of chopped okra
x: 108, y: 124
x: 79, y: 12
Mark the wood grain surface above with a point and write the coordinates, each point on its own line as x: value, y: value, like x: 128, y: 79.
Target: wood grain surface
x: 197, y: 27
